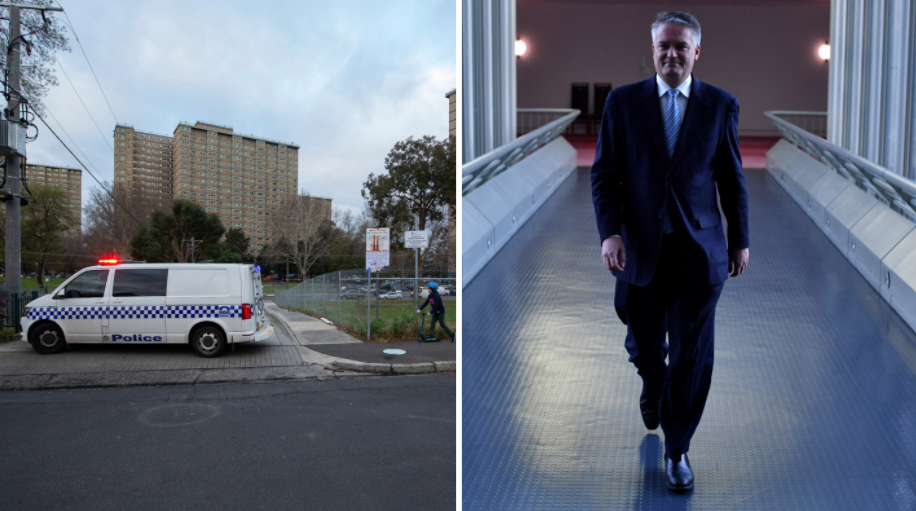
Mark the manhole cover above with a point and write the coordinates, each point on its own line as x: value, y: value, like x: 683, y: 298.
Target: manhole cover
x: 394, y: 352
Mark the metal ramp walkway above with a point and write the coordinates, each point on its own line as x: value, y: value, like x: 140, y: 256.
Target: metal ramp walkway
x: 813, y: 400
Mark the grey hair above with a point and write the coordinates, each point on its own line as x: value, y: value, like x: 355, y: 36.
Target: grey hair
x: 680, y: 18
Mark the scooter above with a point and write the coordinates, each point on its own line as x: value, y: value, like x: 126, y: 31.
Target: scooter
x: 427, y: 339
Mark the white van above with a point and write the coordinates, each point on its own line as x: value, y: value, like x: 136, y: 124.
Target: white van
x: 206, y: 305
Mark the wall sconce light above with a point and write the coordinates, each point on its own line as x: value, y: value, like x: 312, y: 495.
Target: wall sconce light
x: 824, y: 51
x: 520, y: 47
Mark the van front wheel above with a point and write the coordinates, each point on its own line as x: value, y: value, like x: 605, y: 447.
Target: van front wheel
x: 208, y: 341
x: 48, y: 339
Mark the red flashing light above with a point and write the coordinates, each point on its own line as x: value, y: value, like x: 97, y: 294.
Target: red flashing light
x: 109, y: 261
x: 246, y: 311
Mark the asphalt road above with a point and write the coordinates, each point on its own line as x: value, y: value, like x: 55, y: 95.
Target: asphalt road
x: 367, y: 443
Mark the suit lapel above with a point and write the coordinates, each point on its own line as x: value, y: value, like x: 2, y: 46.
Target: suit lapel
x: 652, y: 116
x: 694, y: 120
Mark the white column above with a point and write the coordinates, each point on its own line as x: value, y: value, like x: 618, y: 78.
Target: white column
x: 875, y: 82
x: 872, y: 90
x: 488, y: 81
x: 837, y: 74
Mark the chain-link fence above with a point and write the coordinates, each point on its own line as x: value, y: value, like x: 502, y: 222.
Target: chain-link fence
x: 377, y: 307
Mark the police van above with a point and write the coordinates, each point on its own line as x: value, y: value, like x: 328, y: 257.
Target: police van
x: 208, y: 306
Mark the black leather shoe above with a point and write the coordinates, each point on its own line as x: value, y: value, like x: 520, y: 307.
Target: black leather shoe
x: 680, y: 475
x: 650, y: 408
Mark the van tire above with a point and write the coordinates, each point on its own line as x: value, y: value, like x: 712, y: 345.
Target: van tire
x: 208, y: 341
x: 47, y: 339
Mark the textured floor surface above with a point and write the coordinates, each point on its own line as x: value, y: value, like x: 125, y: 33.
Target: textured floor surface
x: 813, y: 400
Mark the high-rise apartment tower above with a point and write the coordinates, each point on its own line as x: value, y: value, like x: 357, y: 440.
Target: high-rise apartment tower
x: 67, y: 179
x: 239, y: 177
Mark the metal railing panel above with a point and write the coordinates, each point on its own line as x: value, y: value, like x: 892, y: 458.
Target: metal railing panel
x: 812, y: 122
x: 843, y: 213
x: 805, y: 179
x: 480, y: 170
x: 888, y: 187
x: 791, y: 165
x: 822, y: 194
x: 893, y: 261
x: 900, y: 274
x: 477, y: 235
x: 873, y: 237
x: 499, y: 207
x: 872, y: 218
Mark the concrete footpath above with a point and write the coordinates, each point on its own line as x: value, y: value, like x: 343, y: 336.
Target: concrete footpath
x: 335, y: 348
x: 301, y: 348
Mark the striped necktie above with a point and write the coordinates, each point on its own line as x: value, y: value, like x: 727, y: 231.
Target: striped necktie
x: 672, y: 127
x: 672, y: 121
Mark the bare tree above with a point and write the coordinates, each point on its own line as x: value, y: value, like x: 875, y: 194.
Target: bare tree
x: 300, y: 229
x: 109, y: 225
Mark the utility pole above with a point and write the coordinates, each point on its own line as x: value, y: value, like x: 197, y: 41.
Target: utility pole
x: 13, y: 162
x: 13, y: 268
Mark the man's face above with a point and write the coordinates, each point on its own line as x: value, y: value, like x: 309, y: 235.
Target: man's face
x: 674, y: 53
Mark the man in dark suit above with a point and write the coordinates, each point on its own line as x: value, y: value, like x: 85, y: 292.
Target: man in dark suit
x: 667, y: 145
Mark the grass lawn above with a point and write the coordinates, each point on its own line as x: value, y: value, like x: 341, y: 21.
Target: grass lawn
x: 29, y: 284
x: 397, y: 319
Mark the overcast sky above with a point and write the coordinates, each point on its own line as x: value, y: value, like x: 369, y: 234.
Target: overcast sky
x: 343, y: 79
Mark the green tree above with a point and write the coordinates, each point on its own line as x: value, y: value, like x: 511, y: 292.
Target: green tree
x: 43, y: 221
x: 237, y: 242
x: 420, y: 183
x: 168, y: 234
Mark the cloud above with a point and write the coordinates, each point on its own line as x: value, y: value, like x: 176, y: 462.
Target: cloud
x: 344, y: 80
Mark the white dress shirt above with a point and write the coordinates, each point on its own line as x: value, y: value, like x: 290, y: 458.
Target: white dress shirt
x: 682, y: 98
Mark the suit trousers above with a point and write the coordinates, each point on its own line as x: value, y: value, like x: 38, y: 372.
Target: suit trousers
x: 671, y: 306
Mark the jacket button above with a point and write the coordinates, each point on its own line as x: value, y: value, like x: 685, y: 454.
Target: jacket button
x: 668, y: 181
x: 660, y: 216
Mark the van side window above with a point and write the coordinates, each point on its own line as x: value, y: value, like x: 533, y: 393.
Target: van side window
x: 140, y: 282
x: 88, y: 285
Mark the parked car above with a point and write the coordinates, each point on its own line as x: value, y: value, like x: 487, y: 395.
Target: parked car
x: 353, y: 294
x: 391, y: 295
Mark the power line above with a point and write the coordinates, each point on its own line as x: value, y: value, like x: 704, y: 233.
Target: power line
x: 87, y: 171
x: 70, y: 23
x: 83, y: 103
x: 61, y: 126
x: 25, y: 99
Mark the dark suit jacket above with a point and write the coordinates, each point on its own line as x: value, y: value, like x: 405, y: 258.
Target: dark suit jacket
x: 633, y: 179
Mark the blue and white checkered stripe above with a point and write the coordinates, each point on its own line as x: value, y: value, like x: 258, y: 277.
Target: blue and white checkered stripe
x: 86, y: 312
x: 136, y: 312
x: 204, y: 311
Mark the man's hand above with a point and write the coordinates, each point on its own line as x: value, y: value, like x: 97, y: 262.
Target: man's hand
x: 737, y: 261
x: 612, y: 249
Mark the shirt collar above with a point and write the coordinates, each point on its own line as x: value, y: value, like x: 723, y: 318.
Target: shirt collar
x: 684, y: 88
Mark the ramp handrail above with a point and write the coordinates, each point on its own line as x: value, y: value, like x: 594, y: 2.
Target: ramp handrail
x: 894, y: 190
x: 486, y: 167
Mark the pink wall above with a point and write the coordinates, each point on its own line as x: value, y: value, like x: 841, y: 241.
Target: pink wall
x: 764, y: 55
